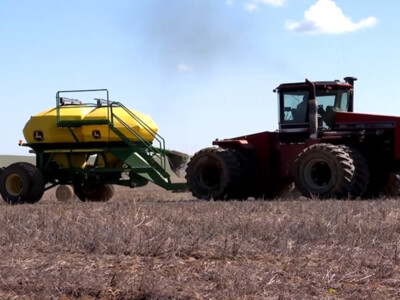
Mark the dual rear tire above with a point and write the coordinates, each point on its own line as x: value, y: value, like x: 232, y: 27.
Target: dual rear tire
x: 21, y: 183
x: 221, y: 174
x: 213, y: 173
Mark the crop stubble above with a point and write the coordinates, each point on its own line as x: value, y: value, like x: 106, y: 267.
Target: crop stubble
x: 151, y: 244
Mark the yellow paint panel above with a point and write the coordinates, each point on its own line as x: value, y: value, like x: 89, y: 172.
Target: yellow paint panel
x: 68, y: 160
x: 42, y: 128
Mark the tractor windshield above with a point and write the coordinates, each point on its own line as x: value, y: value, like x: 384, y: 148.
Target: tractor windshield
x: 330, y: 101
x: 294, y: 107
x: 338, y: 99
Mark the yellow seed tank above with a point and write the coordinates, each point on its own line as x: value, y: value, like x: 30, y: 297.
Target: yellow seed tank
x: 88, y: 124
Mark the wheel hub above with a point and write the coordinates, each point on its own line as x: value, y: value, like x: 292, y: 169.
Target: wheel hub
x: 14, y: 184
x: 319, y: 174
x: 210, y: 175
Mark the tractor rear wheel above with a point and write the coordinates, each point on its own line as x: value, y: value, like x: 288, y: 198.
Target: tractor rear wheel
x: 246, y: 176
x: 380, y: 182
x: 324, y: 171
x: 21, y: 183
x: 212, y: 173
x: 95, y: 193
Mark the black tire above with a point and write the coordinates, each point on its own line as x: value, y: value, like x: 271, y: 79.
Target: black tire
x: 361, y: 176
x: 324, y: 171
x: 64, y: 193
x: 379, y: 179
x: 246, y: 172
x: 392, y: 186
x: 98, y: 193
x: 212, y: 173
x: 21, y: 183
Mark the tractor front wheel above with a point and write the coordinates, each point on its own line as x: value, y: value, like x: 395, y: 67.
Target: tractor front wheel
x: 361, y: 176
x: 21, y: 183
x: 324, y: 171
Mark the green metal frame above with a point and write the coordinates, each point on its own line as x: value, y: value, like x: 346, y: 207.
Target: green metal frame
x: 142, y: 161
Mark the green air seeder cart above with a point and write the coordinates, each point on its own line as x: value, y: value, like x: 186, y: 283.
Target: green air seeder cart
x: 85, y: 148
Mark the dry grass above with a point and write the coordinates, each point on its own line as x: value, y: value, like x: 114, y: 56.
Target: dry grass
x: 150, y: 244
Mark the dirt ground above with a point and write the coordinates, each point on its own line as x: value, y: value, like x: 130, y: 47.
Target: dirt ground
x: 147, y: 243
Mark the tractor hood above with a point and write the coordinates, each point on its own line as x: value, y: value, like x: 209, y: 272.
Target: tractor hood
x: 357, y: 120
x: 369, y: 122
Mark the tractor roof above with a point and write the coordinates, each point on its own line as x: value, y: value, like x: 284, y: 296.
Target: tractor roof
x: 318, y: 84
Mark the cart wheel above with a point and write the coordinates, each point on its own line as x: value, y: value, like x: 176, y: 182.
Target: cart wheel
x: 65, y: 193
x: 98, y: 193
x: 21, y: 183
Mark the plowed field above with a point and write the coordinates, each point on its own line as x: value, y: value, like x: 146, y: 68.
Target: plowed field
x: 150, y: 244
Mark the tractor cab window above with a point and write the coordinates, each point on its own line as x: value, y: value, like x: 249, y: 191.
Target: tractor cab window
x: 295, y: 107
x: 330, y: 101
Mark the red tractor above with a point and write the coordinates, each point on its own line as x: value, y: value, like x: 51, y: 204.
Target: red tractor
x: 328, y: 150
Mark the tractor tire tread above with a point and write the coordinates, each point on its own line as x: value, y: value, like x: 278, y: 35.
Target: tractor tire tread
x: 229, y: 174
x: 343, y: 171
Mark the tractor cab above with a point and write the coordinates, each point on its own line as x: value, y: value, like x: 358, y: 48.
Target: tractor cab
x: 308, y: 108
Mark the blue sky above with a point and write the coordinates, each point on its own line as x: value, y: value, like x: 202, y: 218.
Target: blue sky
x: 202, y: 69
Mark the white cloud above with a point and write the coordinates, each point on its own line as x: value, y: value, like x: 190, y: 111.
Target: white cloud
x: 325, y: 17
x: 255, y: 4
x: 250, y: 7
x: 185, y: 68
x: 272, y: 2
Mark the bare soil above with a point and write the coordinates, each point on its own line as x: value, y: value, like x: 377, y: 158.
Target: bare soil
x: 151, y: 244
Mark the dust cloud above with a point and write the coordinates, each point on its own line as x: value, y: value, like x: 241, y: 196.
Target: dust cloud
x: 196, y: 33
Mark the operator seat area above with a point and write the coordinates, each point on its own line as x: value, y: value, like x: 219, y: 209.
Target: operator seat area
x: 300, y: 112
x: 328, y: 115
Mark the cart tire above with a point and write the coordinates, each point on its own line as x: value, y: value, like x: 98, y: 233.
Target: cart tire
x: 21, y: 183
x: 98, y: 193
x: 65, y: 193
